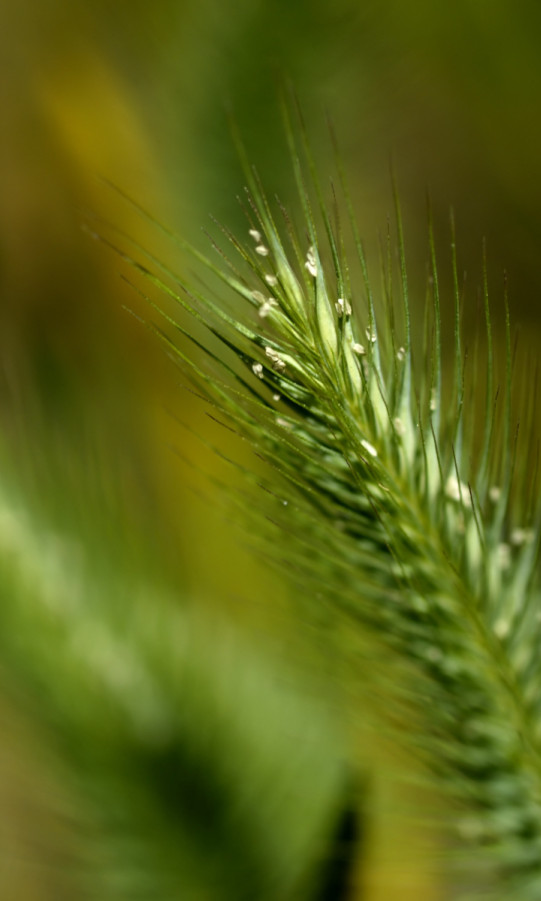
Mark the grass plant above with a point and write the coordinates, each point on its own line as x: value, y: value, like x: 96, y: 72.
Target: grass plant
x: 396, y: 493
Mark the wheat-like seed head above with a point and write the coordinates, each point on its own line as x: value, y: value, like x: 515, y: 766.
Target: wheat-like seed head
x: 396, y: 513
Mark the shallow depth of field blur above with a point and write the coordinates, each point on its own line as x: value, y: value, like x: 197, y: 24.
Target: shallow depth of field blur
x: 97, y: 427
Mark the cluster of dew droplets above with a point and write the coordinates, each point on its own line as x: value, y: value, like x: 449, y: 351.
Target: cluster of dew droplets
x: 343, y: 312
x: 343, y: 308
x: 266, y: 304
x: 311, y: 262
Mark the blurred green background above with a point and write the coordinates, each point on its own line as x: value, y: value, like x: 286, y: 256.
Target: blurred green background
x: 139, y: 94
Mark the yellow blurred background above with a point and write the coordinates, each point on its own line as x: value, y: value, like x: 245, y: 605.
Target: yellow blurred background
x: 138, y: 94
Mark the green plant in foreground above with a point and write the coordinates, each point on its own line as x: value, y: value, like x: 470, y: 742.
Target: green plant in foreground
x: 397, y: 514
x: 179, y: 766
